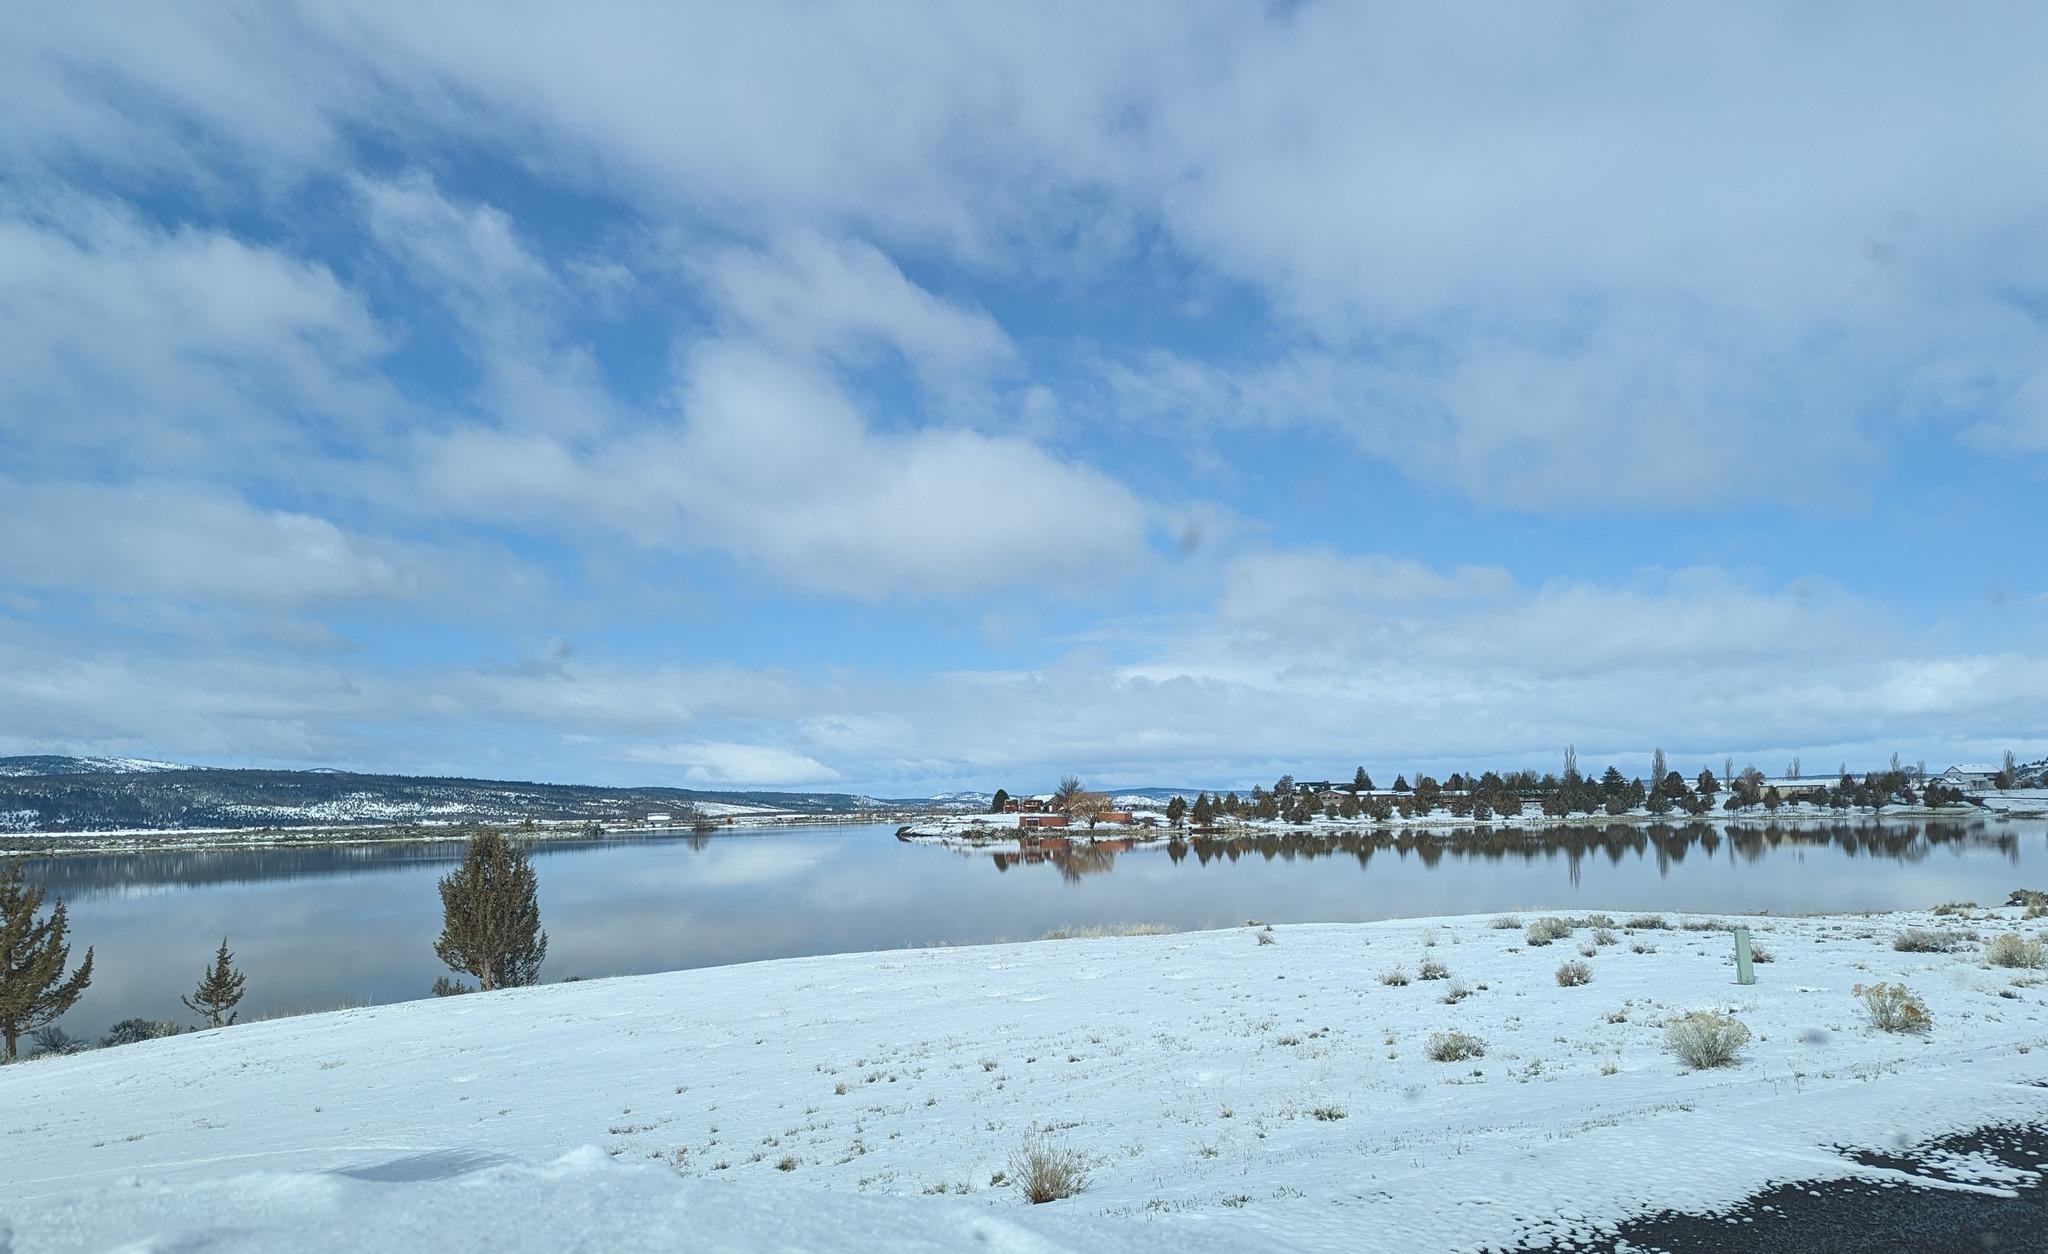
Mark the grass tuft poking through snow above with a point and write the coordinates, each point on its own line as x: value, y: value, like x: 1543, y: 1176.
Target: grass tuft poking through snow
x: 1574, y: 973
x: 1431, y: 969
x: 1705, y: 1039
x: 1454, y: 1047
x: 1045, y: 1172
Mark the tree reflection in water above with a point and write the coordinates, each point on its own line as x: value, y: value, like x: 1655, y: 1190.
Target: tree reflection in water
x: 1903, y: 842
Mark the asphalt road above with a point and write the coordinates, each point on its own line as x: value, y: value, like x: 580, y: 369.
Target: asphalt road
x: 1863, y: 1216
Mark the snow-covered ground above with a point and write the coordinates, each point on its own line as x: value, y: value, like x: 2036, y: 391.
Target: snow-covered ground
x: 1229, y: 1094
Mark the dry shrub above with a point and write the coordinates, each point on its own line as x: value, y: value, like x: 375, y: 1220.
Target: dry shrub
x: 1918, y: 940
x: 1454, y: 1047
x: 1893, y: 1008
x: 1045, y: 1172
x: 1705, y: 1039
x: 2010, y: 949
x: 1547, y: 929
x: 1431, y: 969
x: 1506, y: 922
x: 1574, y: 973
x: 1648, y: 922
x: 1394, y: 976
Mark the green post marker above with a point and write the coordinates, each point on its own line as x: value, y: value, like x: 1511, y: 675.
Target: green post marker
x: 1743, y: 972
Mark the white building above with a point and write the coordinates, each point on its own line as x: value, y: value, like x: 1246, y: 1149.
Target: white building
x: 657, y: 820
x: 1973, y: 775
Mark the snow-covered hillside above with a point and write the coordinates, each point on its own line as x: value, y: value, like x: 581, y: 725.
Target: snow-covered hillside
x: 22, y: 766
x: 1229, y: 1093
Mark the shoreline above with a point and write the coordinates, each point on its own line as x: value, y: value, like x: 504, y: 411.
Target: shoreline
x: 230, y: 839
x: 954, y: 833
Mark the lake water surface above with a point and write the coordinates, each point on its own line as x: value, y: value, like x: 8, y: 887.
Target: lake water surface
x: 321, y: 927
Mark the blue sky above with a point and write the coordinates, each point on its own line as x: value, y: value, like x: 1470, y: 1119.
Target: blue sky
x: 898, y: 397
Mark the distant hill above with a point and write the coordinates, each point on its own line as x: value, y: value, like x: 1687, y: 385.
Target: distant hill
x: 103, y: 794
x: 84, y: 766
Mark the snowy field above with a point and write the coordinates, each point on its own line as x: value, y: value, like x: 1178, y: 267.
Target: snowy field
x: 1228, y: 1093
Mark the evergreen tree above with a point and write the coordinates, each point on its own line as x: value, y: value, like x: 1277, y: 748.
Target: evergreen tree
x: 1000, y: 802
x: 219, y: 991
x: 34, y: 991
x: 1232, y: 806
x: 1361, y: 782
x: 1205, y: 812
x: 1400, y: 783
x: 490, y: 916
x: 1612, y: 784
x: 1176, y: 810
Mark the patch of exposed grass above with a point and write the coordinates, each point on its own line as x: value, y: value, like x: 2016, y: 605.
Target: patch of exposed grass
x: 1101, y: 931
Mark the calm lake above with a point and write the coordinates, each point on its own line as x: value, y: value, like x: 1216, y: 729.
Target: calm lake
x: 318, y: 928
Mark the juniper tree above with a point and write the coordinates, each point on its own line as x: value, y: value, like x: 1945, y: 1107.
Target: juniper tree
x: 1000, y: 802
x: 490, y: 916
x: 34, y: 991
x: 219, y: 991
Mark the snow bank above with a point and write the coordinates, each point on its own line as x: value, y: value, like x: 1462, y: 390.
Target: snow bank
x: 1231, y: 1094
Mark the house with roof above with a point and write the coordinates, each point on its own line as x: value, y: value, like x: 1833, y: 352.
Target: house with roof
x: 1972, y: 775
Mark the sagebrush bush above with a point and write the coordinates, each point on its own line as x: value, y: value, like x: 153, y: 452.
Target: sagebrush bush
x: 1394, y: 976
x: 2010, y: 949
x: 1045, y: 1172
x: 1431, y: 969
x: 1705, y: 1039
x: 1893, y: 1008
x: 1603, y: 937
x: 1506, y: 922
x: 1454, y: 1047
x: 1757, y: 953
x: 1454, y: 994
x: 1648, y: 922
x: 1918, y: 940
x: 1574, y: 973
x: 1547, y: 929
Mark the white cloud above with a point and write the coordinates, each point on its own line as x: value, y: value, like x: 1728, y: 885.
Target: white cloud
x: 1381, y: 661
x: 720, y: 763
x: 1565, y: 244
x: 165, y: 544
x: 845, y: 298
x: 765, y: 456
x: 120, y: 339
